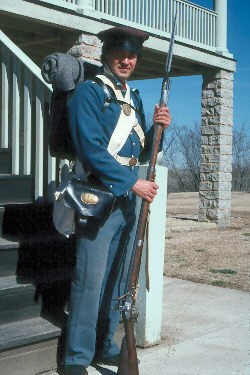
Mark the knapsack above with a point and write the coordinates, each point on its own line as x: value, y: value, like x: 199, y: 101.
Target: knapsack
x: 64, y: 72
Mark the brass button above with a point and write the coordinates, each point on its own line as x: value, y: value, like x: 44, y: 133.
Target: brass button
x: 126, y: 109
x: 132, y: 162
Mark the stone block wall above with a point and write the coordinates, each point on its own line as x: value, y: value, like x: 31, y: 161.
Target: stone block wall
x: 216, y: 147
x: 87, y: 47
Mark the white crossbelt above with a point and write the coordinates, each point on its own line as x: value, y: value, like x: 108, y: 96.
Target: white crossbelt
x: 126, y: 122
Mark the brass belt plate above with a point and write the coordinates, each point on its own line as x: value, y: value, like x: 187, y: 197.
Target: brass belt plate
x: 126, y: 109
x: 132, y: 162
x: 89, y: 198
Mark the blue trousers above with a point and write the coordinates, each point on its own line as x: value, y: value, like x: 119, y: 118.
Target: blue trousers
x: 99, y: 278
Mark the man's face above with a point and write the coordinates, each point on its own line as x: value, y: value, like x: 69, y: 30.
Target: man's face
x: 122, y: 64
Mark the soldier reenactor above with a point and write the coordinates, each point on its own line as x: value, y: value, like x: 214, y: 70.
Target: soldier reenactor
x: 109, y: 138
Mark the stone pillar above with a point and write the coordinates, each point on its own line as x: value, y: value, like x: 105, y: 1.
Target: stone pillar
x: 87, y: 47
x: 216, y: 147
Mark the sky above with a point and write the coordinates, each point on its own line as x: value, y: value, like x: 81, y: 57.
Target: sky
x: 186, y: 108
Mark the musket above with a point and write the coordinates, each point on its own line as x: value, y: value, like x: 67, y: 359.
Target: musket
x: 128, y: 363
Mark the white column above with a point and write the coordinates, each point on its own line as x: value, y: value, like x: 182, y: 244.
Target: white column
x: 220, y: 7
x: 149, y: 303
x: 85, y: 4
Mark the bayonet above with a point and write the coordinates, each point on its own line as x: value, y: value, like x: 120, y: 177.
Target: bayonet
x: 166, y: 83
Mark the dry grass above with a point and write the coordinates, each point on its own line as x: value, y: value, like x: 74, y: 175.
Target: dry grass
x: 203, y: 253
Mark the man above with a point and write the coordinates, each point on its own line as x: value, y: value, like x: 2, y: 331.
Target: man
x: 103, y: 260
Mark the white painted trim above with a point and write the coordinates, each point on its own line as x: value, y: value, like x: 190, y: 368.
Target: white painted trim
x: 5, y: 98
x: 60, y: 3
x: 39, y: 164
x: 16, y: 116
x: 23, y: 58
x: 96, y: 23
x: 27, y: 105
x: 197, y: 56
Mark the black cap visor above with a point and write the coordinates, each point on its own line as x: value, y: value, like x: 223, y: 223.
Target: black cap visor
x: 124, y: 45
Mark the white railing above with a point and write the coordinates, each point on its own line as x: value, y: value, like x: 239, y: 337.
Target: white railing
x: 195, y: 25
x: 24, y: 117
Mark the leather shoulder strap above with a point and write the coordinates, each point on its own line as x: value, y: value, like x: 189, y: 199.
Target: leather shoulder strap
x: 105, y: 89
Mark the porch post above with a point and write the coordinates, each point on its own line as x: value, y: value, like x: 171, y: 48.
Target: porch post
x: 86, y: 4
x: 220, y: 7
x: 216, y: 147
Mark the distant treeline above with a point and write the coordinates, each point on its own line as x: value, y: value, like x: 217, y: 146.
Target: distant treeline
x: 182, y: 155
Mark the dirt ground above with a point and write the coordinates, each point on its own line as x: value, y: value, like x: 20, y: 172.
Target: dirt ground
x: 203, y: 253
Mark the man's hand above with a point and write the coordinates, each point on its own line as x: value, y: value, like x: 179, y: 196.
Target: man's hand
x: 162, y: 116
x: 145, y: 189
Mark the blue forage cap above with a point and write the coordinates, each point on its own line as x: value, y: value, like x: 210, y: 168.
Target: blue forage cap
x: 123, y: 38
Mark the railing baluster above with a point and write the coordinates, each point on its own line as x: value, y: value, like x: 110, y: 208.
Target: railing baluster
x: 5, y: 98
x: 27, y: 121
x: 154, y: 19
x: 172, y: 6
x: 52, y: 172
x: 133, y: 11
x: 160, y: 10
x: 120, y: 9
x: 214, y: 29
x: 207, y: 30
x: 136, y: 12
x: 142, y: 12
x: 190, y: 15
x: 16, y: 116
x: 163, y: 12
x: 182, y: 24
x: 196, y: 26
x: 152, y: 13
x: 39, y: 140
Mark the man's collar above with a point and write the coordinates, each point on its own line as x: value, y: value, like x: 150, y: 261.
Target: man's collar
x: 107, y: 72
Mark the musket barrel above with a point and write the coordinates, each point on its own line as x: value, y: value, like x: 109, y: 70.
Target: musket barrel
x: 128, y: 364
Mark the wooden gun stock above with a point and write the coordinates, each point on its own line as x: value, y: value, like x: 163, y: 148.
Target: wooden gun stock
x: 128, y: 363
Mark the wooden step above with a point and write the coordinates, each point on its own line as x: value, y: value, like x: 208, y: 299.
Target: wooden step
x: 8, y: 257
x: 26, y: 219
x: 17, y: 301
x: 1, y: 218
x: 37, y: 258
x: 28, y: 347
x: 5, y: 157
x: 45, y: 261
x: 16, y: 189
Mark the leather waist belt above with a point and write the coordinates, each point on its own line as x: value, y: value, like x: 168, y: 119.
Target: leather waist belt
x: 131, y: 162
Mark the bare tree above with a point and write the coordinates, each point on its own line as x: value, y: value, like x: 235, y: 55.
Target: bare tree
x: 241, y: 159
x: 182, y: 156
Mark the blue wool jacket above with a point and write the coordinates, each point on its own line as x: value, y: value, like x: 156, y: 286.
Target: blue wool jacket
x: 92, y: 124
